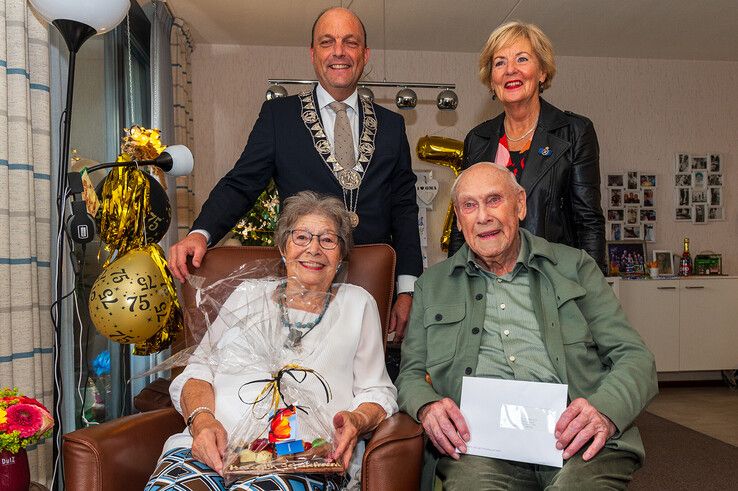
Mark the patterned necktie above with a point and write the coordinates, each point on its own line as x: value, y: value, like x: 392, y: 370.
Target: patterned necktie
x: 343, y: 140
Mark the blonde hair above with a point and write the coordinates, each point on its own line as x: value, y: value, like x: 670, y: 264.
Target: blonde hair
x: 512, y: 31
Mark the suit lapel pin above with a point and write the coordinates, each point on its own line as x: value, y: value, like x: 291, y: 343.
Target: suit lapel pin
x: 545, y: 151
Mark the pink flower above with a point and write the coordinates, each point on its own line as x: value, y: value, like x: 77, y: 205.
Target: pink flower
x: 30, y: 400
x: 25, y: 418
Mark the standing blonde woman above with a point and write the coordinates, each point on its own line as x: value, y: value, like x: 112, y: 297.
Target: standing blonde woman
x: 554, y: 154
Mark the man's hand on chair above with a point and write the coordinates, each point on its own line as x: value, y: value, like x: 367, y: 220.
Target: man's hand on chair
x: 193, y: 245
x: 400, y: 315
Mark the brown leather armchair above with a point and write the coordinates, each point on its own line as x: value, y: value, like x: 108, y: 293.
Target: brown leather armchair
x: 122, y: 454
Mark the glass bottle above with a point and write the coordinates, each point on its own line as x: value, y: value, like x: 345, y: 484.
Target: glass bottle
x: 685, y: 263
x: 90, y: 401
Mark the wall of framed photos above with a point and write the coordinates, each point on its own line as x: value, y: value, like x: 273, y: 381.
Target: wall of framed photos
x: 631, y: 206
x: 698, y: 188
x: 631, y: 212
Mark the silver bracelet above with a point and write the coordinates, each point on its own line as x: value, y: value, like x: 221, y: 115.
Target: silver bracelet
x: 194, y: 413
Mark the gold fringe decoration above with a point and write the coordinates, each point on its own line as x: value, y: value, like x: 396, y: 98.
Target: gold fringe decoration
x: 126, y: 194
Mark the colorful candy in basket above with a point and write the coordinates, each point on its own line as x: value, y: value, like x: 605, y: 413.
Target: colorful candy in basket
x: 289, y: 439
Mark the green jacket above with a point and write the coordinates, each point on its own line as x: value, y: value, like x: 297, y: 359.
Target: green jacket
x: 588, y: 338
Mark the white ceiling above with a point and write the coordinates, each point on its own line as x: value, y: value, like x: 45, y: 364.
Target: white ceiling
x: 666, y: 29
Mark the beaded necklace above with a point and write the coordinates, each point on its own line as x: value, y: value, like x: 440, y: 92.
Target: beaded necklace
x: 520, y: 137
x: 298, y: 330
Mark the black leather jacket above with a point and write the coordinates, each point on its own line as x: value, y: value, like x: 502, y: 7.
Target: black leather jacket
x: 563, y: 186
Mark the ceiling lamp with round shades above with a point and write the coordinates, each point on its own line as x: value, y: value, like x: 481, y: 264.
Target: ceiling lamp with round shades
x: 447, y: 100
x: 275, y: 91
x: 406, y: 98
x: 366, y: 93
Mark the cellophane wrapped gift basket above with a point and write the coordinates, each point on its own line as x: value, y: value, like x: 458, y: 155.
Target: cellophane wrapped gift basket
x: 248, y: 341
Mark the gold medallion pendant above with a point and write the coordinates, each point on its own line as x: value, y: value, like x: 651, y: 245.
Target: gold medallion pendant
x: 354, y: 219
x: 349, y: 179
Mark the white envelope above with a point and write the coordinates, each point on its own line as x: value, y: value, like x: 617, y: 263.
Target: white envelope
x: 513, y: 420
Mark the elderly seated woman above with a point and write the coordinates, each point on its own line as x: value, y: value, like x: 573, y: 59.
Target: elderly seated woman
x: 343, y: 343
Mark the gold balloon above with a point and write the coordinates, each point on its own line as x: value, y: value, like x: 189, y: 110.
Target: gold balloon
x: 442, y: 151
x: 134, y: 301
x: 174, y: 324
x: 448, y: 153
x: 448, y: 224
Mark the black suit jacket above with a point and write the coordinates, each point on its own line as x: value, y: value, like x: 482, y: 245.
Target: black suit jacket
x: 562, y: 187
x: 281, y: 147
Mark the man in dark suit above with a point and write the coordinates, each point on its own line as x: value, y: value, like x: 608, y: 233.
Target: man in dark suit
x: 293, y: 142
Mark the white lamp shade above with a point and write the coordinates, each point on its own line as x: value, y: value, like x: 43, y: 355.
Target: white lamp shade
x: 182, y: 160
x: 101, y: 15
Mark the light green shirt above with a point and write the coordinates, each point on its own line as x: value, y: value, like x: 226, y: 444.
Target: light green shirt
x: 511, y: 347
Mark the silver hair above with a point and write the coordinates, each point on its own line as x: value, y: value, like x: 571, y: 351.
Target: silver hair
x: 307, y: 203
x: 510, y: 178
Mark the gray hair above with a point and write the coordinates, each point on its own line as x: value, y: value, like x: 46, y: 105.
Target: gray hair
x: 510, y: 178
x: 307, y: 203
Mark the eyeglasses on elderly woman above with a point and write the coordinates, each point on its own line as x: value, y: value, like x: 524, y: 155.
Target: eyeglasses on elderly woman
x: 326, y: 240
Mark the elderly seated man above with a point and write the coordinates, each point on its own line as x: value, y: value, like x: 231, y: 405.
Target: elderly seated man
x: 514, y: 306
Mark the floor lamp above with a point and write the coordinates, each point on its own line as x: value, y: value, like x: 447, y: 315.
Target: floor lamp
x: 77, y: 21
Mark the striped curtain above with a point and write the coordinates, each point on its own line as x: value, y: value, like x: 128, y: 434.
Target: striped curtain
x: 25, y: 210
x: 181, y: 49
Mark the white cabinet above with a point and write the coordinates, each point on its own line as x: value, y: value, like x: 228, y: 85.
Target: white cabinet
x: 690, y: 324
x: 652, y: 307
x: 708, y: 324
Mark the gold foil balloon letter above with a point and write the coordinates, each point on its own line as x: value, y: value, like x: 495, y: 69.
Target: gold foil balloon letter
x: 442, y: 151
x: 448, y: 153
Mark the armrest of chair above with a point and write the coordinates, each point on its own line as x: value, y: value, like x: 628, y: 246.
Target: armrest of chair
x: 394, y: 456
x: 120, y: 454
x: 154, y: 396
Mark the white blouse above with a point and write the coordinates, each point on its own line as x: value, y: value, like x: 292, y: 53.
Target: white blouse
x: 345, y: 348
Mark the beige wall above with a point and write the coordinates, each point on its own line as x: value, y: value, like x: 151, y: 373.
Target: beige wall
x: 644, y: 111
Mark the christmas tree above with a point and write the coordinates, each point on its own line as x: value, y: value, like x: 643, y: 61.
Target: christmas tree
x: 257, y: 227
